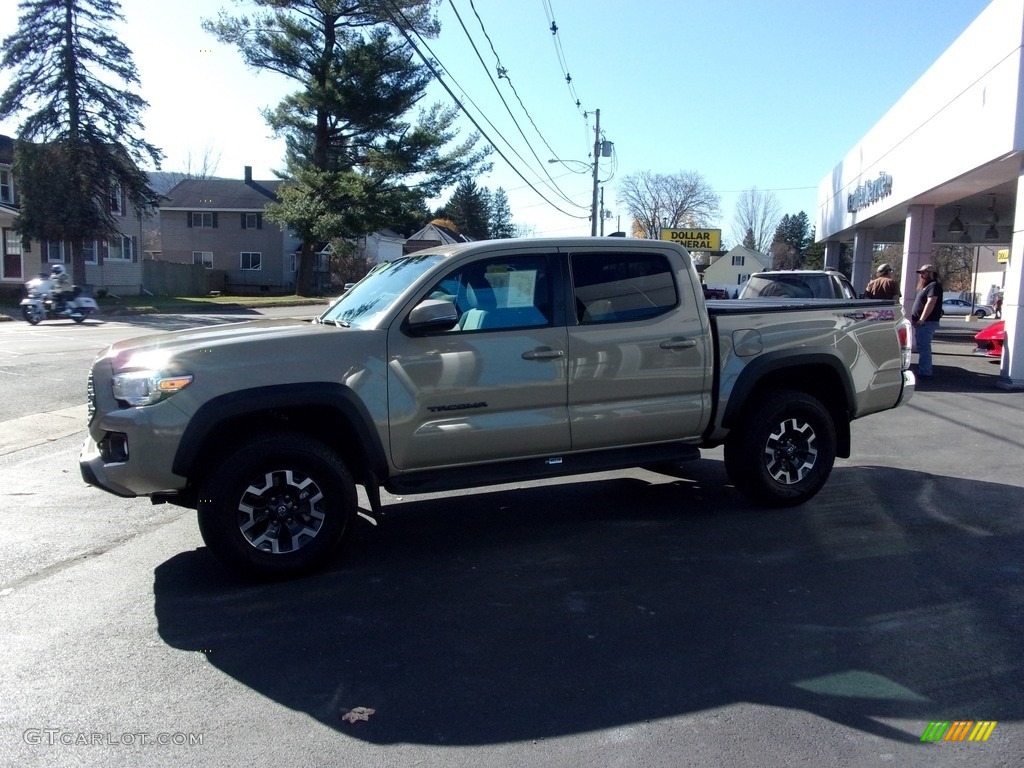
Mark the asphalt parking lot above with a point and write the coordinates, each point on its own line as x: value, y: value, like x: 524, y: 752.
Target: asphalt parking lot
x: 628, y: 618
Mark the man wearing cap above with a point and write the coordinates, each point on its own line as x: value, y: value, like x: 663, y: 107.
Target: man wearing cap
x: 925, y: 315
x: 883, y: 286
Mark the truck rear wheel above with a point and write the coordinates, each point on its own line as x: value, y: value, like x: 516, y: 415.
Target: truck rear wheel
x: 783, y: 450
x: 277, y: 507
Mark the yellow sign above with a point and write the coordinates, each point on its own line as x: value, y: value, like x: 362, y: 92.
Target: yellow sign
x: 1003, y: 255
x: 695, y: 239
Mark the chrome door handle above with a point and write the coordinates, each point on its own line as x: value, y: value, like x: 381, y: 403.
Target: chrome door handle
x: 679, y: 344
x: 544, y: 353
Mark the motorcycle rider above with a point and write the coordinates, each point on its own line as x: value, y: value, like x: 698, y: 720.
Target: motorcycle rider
x: 62, y: 286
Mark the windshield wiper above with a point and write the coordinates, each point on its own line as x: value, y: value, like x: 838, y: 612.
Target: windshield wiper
x: 342, y: 323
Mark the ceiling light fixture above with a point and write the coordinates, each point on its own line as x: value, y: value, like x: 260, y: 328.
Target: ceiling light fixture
x: 956, y: 227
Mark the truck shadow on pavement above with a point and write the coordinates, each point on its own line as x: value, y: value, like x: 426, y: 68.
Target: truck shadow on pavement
x: 501, y: 616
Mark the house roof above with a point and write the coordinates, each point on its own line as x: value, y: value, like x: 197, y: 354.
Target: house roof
x: 439, y: 234
x: 220, y: 195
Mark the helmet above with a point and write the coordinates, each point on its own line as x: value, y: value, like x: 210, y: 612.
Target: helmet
x: 58, y: 269
x: 883, y: 269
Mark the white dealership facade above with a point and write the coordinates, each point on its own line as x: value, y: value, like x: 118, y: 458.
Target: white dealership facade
x: 948, y: 156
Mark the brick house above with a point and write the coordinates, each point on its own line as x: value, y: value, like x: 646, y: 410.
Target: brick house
x: 220, y: 224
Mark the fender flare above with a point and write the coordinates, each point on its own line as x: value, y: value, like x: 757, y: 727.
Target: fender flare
x: 327, y: 395
x: 764, y: 366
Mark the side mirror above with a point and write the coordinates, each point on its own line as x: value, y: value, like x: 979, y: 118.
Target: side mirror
x: 432, y: 315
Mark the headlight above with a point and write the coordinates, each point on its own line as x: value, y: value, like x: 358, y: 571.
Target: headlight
x: 148, y: 387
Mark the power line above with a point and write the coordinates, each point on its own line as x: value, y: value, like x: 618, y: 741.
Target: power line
x: 503, y: 74
x: 429, y: 63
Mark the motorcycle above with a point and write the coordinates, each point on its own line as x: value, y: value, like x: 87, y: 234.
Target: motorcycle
x: 40, y: 304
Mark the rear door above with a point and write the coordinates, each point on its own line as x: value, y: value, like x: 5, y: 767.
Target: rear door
x: 639, y: 350
x: 494, y: 386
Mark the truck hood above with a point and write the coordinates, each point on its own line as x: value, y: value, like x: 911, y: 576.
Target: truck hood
x: 145, y: 351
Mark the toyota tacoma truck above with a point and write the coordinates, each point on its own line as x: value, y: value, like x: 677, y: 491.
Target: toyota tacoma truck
x: 483, y: 363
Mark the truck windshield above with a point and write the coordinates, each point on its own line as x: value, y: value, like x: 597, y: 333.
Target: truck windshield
x: 373, y: 296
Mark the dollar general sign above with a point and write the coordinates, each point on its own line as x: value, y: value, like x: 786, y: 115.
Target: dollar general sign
x: 695, y: 239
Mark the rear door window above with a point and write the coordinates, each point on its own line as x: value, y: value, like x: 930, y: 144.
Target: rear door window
x: 620, y: 287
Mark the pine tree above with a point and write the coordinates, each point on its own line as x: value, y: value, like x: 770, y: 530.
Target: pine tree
x: 355, y: 162
x: 789, y: 245
x: 501, y: 225
x: 78, y: 146
x: 469, y: 207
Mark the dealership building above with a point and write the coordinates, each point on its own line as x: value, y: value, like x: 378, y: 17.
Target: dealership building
x: 945, y: 166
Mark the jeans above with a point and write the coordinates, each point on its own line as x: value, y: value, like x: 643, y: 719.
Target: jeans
x: 923, y: 334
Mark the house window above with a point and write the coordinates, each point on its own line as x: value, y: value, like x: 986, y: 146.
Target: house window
x: 119, y: 249
x: 741, y: 279
x: 203, y: 257
x: 116, y: 200
x: 251, y: 260
x: 208, y: 220
x: 12, y: 266
x: 6, y: 188
x: 55, y: 251
x: 89, y: 251
x: 292, y: 262
x: 252, y: 221
x: 737, y: 261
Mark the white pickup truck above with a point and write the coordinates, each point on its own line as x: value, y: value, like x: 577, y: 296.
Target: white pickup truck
x: 483, y: 363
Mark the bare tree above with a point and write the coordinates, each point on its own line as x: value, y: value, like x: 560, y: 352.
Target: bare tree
x: 656, y: 200
x: 757, y: 215
x: 203, y: 166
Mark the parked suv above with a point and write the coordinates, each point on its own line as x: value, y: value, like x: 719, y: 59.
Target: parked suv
x: 798, y: 284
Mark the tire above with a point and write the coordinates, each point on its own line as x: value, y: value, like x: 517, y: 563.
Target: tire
x: 784, y: 449
x: 277, y: 507
x: 32, y: 316
x: 979, y: 313
x: 78, y: 318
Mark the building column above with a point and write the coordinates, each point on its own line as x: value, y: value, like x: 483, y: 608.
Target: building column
x: 832, y: 248
x: 1011, y: 369
x: 917, y: 250
x: 863, y: 251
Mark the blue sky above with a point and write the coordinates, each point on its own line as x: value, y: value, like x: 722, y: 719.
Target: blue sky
x: 749, y: 93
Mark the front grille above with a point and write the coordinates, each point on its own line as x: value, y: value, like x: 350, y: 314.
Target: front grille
x: 90, y: 391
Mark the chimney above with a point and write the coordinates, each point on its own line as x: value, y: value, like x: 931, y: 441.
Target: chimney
x: 248, y: 174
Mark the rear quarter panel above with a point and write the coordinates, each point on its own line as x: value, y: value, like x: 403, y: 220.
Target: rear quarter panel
x: 857, y: 338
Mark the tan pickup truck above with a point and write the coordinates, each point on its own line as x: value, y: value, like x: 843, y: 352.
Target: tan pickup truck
x: 483, y: 363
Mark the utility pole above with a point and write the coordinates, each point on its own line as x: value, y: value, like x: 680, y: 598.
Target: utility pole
x: 597, y: 155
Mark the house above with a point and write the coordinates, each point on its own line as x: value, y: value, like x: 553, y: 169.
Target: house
x: 220, y: 224
x: 732, y: 270
x: 13, y: 269
x: 432, y: 235
x: 111, y: 264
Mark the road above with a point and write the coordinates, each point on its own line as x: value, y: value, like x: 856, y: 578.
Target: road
x: 627, y: 618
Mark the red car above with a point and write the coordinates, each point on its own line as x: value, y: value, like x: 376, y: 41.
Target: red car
x: 990, y: 340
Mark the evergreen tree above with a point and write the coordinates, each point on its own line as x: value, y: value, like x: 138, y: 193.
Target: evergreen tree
x: 469, y: 207
x: 748, y: 239
x: 789, y: 245
x: 77, y: 153
x: 355, y: 163
x: 500, y: 225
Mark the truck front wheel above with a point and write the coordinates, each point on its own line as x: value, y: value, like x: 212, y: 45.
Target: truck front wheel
x: 783, y: 450
x: 277, y: 507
